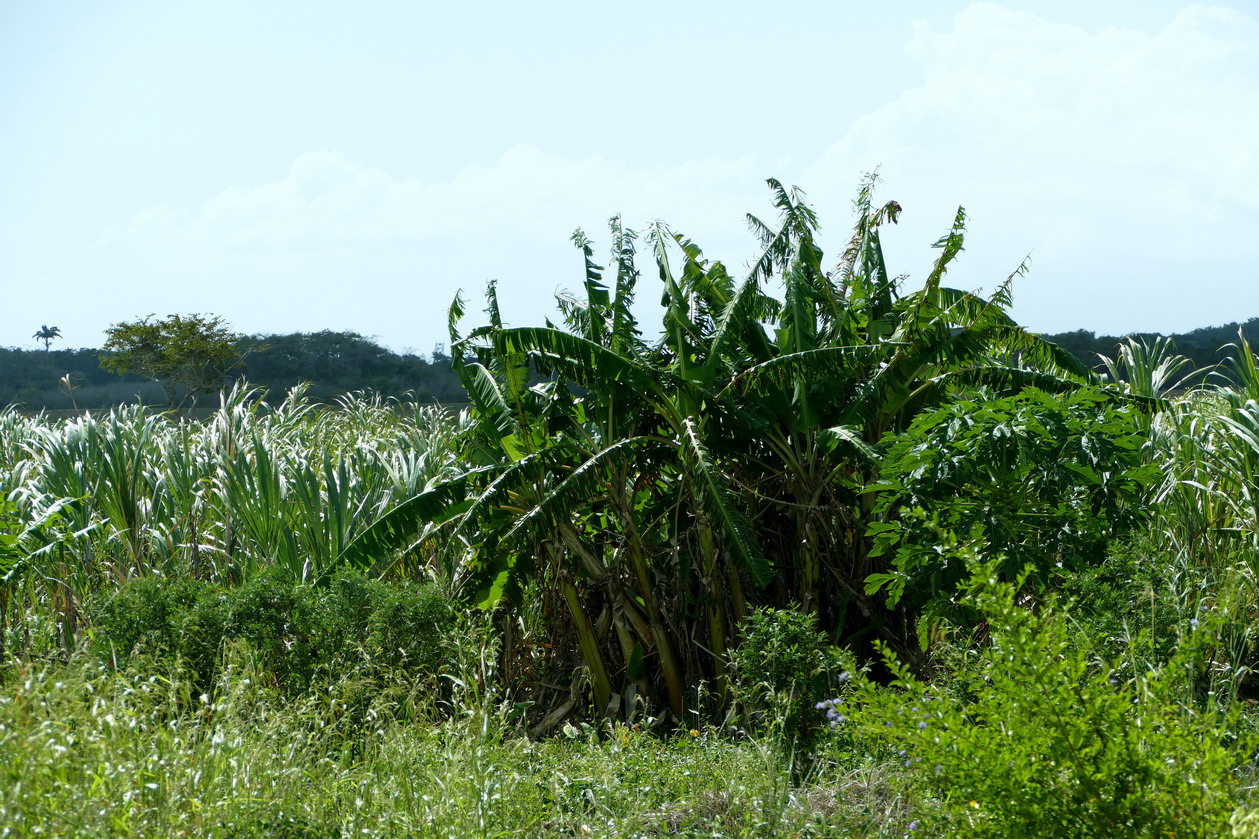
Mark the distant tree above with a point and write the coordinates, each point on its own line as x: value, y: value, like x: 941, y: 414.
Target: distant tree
x: 188, y: 355
x: 335, y: 363
x: 47, y: 334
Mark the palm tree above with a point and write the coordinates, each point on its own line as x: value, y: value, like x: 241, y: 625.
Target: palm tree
x: 47, y: 334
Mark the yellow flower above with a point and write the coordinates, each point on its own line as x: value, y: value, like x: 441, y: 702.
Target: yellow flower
x: 694, y: 733
x: 974, y: 804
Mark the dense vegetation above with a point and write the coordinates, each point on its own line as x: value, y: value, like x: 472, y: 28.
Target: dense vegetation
x: 335, y: 363
x: 823, y: 559
x: 1204, y: 347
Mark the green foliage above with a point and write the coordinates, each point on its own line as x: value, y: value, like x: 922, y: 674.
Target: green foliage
x: 145, y: 619
x: 300, y: 635
x: 188, y: 355
x: 1206, y: 519
x: 12, y: 534
x: 785, y: 666
x: 1043, y: 480
x: 284, y: 624
x: 409, y: 627
x: 336, y: 363
x: 1036, y: 737
x: 673, y: 485
x: 1131, y: 604
x: 766, y: 476
x: 25, y: 543
x: 203, y: 633
x: 31, y: 378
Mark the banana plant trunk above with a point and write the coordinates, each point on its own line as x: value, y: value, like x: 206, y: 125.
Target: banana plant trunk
x: 718, y: 622
x: 588, y: 640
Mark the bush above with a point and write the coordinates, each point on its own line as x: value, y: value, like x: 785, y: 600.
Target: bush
x: 202, y: 633
x: 410, y: 626
x: 282, y: 622
x: 302, y: 635
x: 785, y: 666
x: 1036, y: 738
x: 144, y: 618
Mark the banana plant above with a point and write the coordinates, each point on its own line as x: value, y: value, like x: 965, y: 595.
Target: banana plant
x: 659, y: 488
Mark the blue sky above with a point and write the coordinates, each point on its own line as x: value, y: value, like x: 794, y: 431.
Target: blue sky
x: 303, y: 166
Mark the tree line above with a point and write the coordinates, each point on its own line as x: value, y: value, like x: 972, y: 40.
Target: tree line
x: 1204, y: 347
x: 333, y: 363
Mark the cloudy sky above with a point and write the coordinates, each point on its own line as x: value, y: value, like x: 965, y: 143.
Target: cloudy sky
x: 296, y: 166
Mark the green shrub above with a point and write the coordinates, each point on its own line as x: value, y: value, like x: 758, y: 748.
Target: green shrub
x: 202, y: 632
x: 410, y: 628
x: 403, y: 626
x: 144, y: 618
x: 301, y: 635
x: 1036, y: 738
x: 349, y: 600
x: 784, y: 667
x: 282, y: 622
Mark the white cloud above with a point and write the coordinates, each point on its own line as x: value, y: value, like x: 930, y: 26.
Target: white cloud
x: 338, y: 243
x: 1012, y: 92
x: 1123, y: 159
x: 327, y: 201
x: 1114, y: 155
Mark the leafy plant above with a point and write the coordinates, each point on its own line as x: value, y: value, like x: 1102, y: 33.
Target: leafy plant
x: 785, y: 666
x: 1043, y: 480
x: 657, y: 491
x: 1035, y: 737
x: 28, y: 546
x: 188, y: 355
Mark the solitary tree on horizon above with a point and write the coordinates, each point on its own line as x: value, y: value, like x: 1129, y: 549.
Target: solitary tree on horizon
x: 47, y: 334
x: 188, y: 355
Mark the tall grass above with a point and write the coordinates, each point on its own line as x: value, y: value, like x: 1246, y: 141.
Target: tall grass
x: 1205, y: 514
x: 86, y: 752
x: 131, y: 493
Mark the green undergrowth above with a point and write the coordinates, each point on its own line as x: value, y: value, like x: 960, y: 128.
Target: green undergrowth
x: 302, y: 635
x: 88, y: 752
x: 1033, y: 733
x: 364, y: 708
